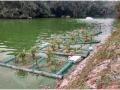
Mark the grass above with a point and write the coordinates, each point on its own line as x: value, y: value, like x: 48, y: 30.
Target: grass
x: 108, y: 50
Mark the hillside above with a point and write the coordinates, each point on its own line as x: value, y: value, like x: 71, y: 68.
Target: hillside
x: 38, y: 9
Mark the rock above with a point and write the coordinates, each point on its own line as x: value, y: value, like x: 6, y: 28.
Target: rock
x: 67, y: 16
x: 89, y: 18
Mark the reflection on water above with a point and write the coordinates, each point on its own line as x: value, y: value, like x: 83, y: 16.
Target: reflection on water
x: 18, y: 34
x: 9, y: 80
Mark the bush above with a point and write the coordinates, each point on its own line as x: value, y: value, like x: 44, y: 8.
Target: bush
x: 117, y: 9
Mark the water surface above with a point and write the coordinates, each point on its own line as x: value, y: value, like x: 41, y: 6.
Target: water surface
x: 19, y: 34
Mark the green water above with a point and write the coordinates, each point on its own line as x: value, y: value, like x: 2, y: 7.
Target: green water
x: 19, y: 34
x: 10, y: 80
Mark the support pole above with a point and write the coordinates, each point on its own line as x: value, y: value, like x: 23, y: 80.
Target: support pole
x: 31, y: 71
x: 65, y: 68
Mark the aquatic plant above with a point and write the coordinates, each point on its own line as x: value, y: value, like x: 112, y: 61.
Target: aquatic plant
x: 52, y: 44
x: 58, y: 42
x: 67, y: 47
x: 55, y: 42
x: 87, y: 37
x: 49, y: 51
x: 49, y: 58
x: 21, y: 57
x: 52, y: 62
x: 21, y: 73
x: 72, y: 36
x: 33, y: 52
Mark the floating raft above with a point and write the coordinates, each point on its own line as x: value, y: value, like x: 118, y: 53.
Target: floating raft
x: 44, y: 46
x: 83, y: 54
x: 71, y: 61
x: 38, y: 61
x: 68, y: 37
x: 8, y: 59
x: 97, y: 33
x: 81, y: 41
x: 65, y: 68
x: 33, y: 71
x: 91, y: 42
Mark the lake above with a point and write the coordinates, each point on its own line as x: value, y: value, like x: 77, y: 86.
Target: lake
x: 19, y: 34
x: 23, y: 34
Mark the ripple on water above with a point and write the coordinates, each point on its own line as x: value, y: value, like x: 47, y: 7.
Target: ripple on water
x: 12, y: 80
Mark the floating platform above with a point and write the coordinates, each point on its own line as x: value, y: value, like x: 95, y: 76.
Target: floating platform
x: 52, y: 75
x: 44, y: 46
x: 83, y: 54
x: 8, y: 59
x: 68, y: 37
x: 98, y: 33
x: 70, y: 61
x: 91, y: 42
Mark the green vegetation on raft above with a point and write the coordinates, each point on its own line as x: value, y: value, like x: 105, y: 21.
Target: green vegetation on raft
x: 29, y: 58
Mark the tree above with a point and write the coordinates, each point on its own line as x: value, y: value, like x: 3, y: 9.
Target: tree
x: 117, y: 9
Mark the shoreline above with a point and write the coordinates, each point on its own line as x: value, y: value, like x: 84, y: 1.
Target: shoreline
x: 72, y: 74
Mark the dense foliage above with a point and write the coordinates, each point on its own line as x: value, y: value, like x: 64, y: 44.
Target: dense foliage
x: 19, y: 9
x: 117, y: 9
x: 29, y: 9
x: 82, y: 9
